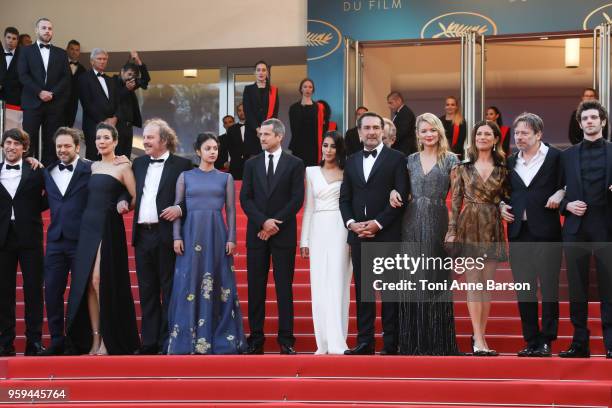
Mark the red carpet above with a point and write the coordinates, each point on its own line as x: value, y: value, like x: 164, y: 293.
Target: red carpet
x: 329, y: 381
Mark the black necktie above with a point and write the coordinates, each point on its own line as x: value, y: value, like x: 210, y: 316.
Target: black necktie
x: 8, y: 54
x: 99, y: 74
x: 15, y: 167
x: 372, y: 153
x: 270, y: 173
x: 62, y: 167
x: 47, y: 46
x: 73, y: 63
x: 157, y: 161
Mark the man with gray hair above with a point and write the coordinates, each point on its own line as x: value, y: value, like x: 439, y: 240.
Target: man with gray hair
x: 45, y: 76
x: 97, y: 93
x: 272, y: 194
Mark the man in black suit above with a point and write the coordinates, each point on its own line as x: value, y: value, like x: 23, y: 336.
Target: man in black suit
x: 272, y: 194
x: 98, y: 97
x: 10, y: 87
x: 45, y: 76
x: 156, y: 173
x: 404, y: 121
x: 236, y: 147
x: 351, y: 138
x: 21, y: 240
x: 587, y: 229
x: 534, y: 229
x: 369, y: 178
x: 222, y: 162
x: 133, y: 75
x: 73, y: 49
x: 575, y: 134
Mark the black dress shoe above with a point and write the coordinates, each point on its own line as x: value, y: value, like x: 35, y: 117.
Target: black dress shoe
x: 609, y: 354
x: 34, y: 349
x: 360, y: 350
x: 575, y: 352
x: 147, y: 351
x: 387, y: 352
x: 53, y: 351
x: 7, y: 351
x: 527, y: 351
x: 255, y: 349
x: 284, y: 349
x: 543, y: 350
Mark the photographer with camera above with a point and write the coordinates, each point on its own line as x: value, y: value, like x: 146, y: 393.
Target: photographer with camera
x: 133, y: 75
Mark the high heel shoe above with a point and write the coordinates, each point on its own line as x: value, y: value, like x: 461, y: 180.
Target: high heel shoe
x: 479, y: 352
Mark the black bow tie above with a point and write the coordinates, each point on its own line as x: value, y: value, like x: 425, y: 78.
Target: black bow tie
x: 593, y: 144
x: 99, y: 74
x: 157, y: 160
x: 47, y: 46
x: 68, y: 167
x: 372, y: 153
x: 8, y: 53
x: 15, y: 167
x: 73, y: 63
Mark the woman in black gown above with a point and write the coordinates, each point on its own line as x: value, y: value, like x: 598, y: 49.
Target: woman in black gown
x: 454, y: 125
x: 101, y: 315
x: 493, y: 114
x: 260, y: 102
x: 303, y: 122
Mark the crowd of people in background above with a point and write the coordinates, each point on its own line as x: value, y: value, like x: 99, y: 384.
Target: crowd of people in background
x: 386, y: 181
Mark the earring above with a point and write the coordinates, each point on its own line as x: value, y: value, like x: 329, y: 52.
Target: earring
x: 493, y: 147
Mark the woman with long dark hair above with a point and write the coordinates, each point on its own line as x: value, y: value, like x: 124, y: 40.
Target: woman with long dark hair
x: 493, y: 114
x: 324, y: 242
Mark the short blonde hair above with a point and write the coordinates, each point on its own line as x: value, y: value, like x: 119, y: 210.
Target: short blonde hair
x: 435, y: 122
x: 166, y: 133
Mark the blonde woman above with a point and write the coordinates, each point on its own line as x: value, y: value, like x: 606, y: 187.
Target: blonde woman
x: 426, y: 320
x: 389, y: 133
x: 454, y: 125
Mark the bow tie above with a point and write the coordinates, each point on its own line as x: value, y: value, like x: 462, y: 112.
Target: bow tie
x: 73, y: 63
x: 15, y: 167
x: 47, y: 46
x: 63, y: 167
x: 372, y: 153
x: 8, y: 54
x: 99, y: 74
x: 157, y: 161
x: 593, y: 144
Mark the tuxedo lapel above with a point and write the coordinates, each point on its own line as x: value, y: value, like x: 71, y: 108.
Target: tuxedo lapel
x: 25, y: 175
x: 52, y: 185
x: 378, y: 162
x: 165, y: 172
x: 359, y: 169
x: 78, y: 172
x: 260, y: 171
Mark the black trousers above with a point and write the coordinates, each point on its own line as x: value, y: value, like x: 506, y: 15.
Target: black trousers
x: 258, y: 267
x: 126, y: 136
x: 593, y: 229
x: 534, y: 261
x: 366, y: 311
x: 50, y: 118
x: 91, y: 151
x: 155, y: 270
x: 59, y: 261
x: 31, y: 262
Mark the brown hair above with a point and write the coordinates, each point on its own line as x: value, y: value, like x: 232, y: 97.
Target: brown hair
x: 499, y: 158
x: 17, y: 135
x: 76, y: 134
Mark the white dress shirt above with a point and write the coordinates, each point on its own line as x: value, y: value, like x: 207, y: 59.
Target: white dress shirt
x: 147, y: 213
x: 368, y: 164
x: 62, y: 178
x: 73, y: 67
x: 9, y: 58
x: 527, y: 170
x: 44, y: 52
x: 102, y: 82
x: 276, y: 157
x: 10, y: 180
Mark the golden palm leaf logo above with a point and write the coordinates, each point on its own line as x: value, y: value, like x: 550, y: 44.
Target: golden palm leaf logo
x: 318, y: 39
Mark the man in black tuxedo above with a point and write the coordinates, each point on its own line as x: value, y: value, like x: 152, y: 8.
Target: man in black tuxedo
x: 73, y: 49
x: 533, y: 229
x: 404, y: 121
x: 98, y: 97
x: 236, y: 147
x: 45, y: 76
x: 222, y: 162
x: 587, y: 206
x: 369, y: 178
x: 351, y: 138
x: 21, y: 240
x: 133, y: 75
x: 10, y: 87
x: 66, y: 186
x: 156, y: 173
x: 272, y: 194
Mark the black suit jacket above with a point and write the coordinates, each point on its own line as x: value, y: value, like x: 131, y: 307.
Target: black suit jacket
x: 236, y: 148
x: 28, y: 203
x: 128, y: 108
x: 572, y: 180
x: 32, y: 76
x: 73, y: 100
x: 222, y: 154
x: 173, y: 167
x: 356, y: 194
x: 256, y: 111
x: 67, y: 210
x: 404, y: 120
x: 352, y: 142
x: 96, y: 106
x: 9, y: 79
x: 281, y: 201
x: 543, y: 223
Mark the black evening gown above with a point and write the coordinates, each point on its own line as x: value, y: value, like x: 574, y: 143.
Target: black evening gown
x: 304, y: 133
x: 103, y: 225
